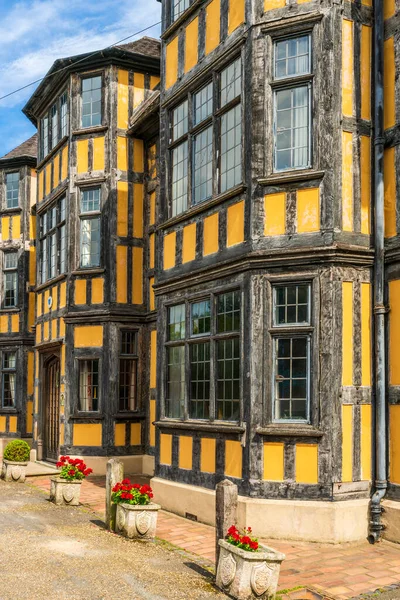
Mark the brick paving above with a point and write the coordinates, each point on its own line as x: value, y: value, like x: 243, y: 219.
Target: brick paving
x: 343, y: 571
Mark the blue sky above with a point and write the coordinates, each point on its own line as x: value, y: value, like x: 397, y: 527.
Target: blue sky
x: 34, y: 33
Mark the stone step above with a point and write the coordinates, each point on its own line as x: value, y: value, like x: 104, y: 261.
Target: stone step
x: 40, y: 468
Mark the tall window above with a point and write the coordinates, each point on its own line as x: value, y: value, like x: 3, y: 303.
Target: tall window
x: 128, y: 362
x: 12, y: 189
x: 10, y: 295
x: 207, y: 335
x: 52, y: 241
x: 89, y: 385
x: 292, y: 352
x: 178, y: 7
x: 53, y: 126
x: 90, y: 228
x: 292, y: 103
x: 64, y: 114
x: 91, y: 101
x: 8, y: 372
x: 215, y: 166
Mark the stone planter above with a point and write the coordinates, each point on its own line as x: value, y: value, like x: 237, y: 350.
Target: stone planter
x: 14, y: 471
x: 137, y: 521
x: 65, y: 492
x: 248, y: 575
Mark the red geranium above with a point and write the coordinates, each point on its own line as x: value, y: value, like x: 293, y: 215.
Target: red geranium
x: 131, y: 493
x: 73, y: 468
x: 244, y: 540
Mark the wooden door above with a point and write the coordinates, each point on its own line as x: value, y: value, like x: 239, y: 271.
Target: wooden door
x: 52, y: 413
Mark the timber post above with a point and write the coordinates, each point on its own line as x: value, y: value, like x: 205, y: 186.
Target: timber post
x: 115, y: 473
x: 226, y: 500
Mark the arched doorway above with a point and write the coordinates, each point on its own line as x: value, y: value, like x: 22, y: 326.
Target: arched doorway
x: 51, y: 441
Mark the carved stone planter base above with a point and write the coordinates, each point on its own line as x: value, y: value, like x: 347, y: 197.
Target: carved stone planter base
x: 248, y: 575
x: 14, y: 471
x: 136, y: 521
x: 65, y: 492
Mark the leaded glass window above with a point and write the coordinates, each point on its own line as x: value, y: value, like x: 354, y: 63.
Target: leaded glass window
x: 10, y: 295
x: 89, y: 385
x: 52, y: 241
x: 178, y: 7
x: 12, y: 189
x: 53, y: 126
x: 8, y: 375
x: 91, y: 101
x: 128, y: 363
x: 90, y: 228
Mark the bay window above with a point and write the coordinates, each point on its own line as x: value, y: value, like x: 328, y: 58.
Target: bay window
x: 53, y: 126
x: 52, y: 241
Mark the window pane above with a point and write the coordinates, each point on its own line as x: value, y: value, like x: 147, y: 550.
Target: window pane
x: 231, y: 82
x: 176, y: 322
x: 292, y: 304
x: 127, y: 384
x: 10, y: 260
x: 10, y: 291
x: 63, y: 250
x: 45, y: 136
x: 179, y: 179
x: 52, y: 255
x: 89, y: 385
x: 202, y: 104
x: 231, y: 148
x: 90, y: 242
x: 54, y: 125
x: 175, y: 382
x: 64, y: 114
x: 228, y: 382
x: 12, y: 189
x: 292, y: 128
x: 177, y: 8
x: 201, y: 318
x: 292, y: 57
x: 200, y: 381
x: 129, y: 342
x: 228, y: 312
x: 90, y: 200
x: 91, y: 101
x: 291, y: 378
x: 202, y: 165
x: 180, y: 121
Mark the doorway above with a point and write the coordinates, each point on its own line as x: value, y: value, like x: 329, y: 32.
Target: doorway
x: 51, y: 445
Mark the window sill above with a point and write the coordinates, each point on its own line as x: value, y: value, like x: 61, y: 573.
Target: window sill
x: 88, y: 130
x: 51, y: 282
x: 290, y: 430
x: 10, y: 309
x: 8, y: 411
x: 216, y: 427
x: 11, y: 211
x: 203, y: 206
x: 130, y: 415
x: 86, y: 417
x: 291, y: 177
x: 89, y: 271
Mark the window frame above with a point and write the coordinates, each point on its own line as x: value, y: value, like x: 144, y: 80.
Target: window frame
x: 89, y: 216
x: 190, y: 340
x: 46, y: 148
x: 83, y: 77
x: 214, y: 120
x: 43, y: 237
x: 6, y: 207
x: 13, y: 270
x: 135, y: 358
x: 13, y: 407
x: 172, y: 17
x: 79, y: 360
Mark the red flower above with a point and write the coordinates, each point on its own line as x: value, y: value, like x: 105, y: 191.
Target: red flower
x: 71, y: 472
x: 126, y: 481
x: 232, y: 530
x: 129, y: 496
x: 245, y: 540
x: 254, y: 545
x: 136, y: 486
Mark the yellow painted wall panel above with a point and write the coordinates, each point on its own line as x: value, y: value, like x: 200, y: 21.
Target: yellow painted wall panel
x: 4, y: 320
x: 13, y: 425
x: 31, y: 310
x: 138, y: 194
x: 62, y: 361
x: 366, y: 339
x: 154, y: 81
x: 122, y: 274
x: 275, y: 214
x: 306, y: 463
x: 87, y: 434
x: 29, y: 417
x: 347, y: 442
x: 123, y: 99
x: 62, y: 328
x: 213, y: 19
x: 166, y: 449
x: 233, y: 459
x: 273, y: 461
x: 41, y: 185
x: 122, y: 208
x: 394, y: 332
x: 152, y: 201
x: 236, y: 14
x: 347, y: 333
x: 46, y: 331
x: 137, y: 275
x: 3, y: 424
x: 366, y: 441
x: 171, y: 63
x: 98, y: 290
x: 61, y: 434
x: 88, y: 336
x: 235, y: 224
x: 366, y: 37
x: 191, y: 44
x: 64, y: 163
x: 347, y: 67
x: 56, y: 170
x: 210, y: 235
x: 207, y: 455
x: 138, y: 89
x: 152, y: 429
x: 136, y: 434
x: 389, y: 72
x: 185, y: 452
x: 54, y: 325
x: 16, y: 227
x: 271, y: 4
x: 98, y: 153
x: 189, y: 243
x: 80, y: 291
x: 63, y: 294
x: 169, y: 250
x: 389, y: 167
x: 389, y: 8
x: 151, y: 294
x: 5, y: 228
x: 138, y: 156
x: 365, y: 175
x: 122, y: 153
x: 153, y: 358
x: 347, y: 181
x: 308, y: 210
x: 394, y: 443
x: 82, y: 156
x: 48, y: 179
x: 15, y: 323
x: 38, y: 331
x: 32, y: 265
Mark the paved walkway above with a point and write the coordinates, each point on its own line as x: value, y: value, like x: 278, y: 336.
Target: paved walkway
x: 343, y: 571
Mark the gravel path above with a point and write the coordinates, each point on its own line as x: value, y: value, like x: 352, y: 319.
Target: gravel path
x: 50, y: 552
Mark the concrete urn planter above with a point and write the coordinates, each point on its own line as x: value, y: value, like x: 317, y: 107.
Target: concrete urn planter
x: 65, y: 492
x: 246, y: 575
x: 137, y: 521
x: 14, y: 471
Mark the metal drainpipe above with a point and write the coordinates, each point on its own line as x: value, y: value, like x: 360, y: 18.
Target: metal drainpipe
x: 379, y: 283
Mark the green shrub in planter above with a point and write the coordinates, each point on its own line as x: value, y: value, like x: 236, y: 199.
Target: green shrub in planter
x: 17, y: 451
